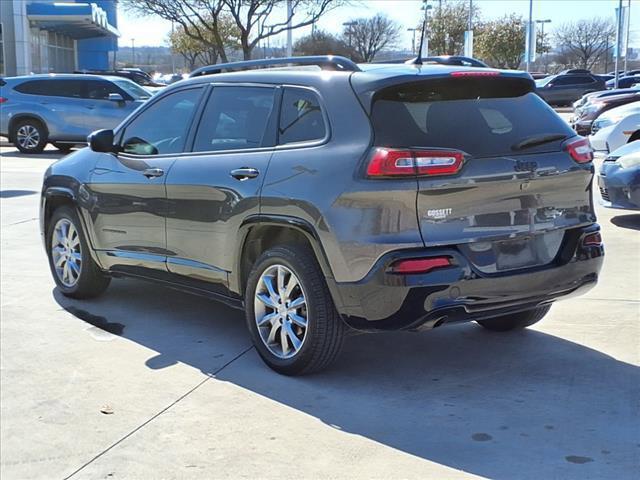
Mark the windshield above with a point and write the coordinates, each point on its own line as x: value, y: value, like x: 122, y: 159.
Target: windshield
x: 622, y: 111
x: 543, y: 81
x: 133, y: 89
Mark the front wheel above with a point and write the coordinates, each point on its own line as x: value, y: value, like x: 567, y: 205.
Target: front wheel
x: 516, y: 321
x: 29, y: 136
x: 73, y: 269
x: 290, y: 314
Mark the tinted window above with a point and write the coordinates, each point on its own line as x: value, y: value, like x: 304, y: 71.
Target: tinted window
x: 301, y: 118
x: 100, y: 90
x: 479, y: 121
x: 234, y: 118
x: 53, y: 87
x: 573, y: 80
x: 163, y: 127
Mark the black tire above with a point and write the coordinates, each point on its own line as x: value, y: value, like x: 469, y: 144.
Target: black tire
x: 325, y: 329
x: 516, y: 321
x: 635, y: 136
x: 63, y: 147
x: 91, y: 281
x: 31, y: 125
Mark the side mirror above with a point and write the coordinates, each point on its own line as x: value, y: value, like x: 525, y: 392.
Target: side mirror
x: 115, y: 97
x: 101, y: 140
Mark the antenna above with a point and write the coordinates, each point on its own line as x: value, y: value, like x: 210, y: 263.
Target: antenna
x: 418, y: 59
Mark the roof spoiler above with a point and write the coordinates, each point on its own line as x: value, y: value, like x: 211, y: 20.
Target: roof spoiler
x: 325, y: 62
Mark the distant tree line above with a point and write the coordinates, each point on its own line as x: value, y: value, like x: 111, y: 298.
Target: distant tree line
x: 211, y: 31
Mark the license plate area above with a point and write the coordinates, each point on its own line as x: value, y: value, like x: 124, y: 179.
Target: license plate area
x: 523, y: 252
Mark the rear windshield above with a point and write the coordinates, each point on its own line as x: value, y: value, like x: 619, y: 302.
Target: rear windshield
x: 482, y: 117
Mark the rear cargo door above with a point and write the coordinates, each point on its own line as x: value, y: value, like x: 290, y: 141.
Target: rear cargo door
x: 517, y: 189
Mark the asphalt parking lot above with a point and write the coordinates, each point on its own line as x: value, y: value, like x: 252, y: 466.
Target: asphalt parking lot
x: 147, y: 382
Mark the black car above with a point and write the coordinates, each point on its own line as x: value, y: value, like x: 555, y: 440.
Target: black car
x: 566, y: 88
x: 624, y: 82
x: 366, y: 197
x: 138, y: 76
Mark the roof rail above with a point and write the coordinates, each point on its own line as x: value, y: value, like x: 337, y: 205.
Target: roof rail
x: 325, y: 62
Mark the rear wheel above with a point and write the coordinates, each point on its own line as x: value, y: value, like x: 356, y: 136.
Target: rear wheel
x: 291, y: 316
x: 29, y: 135
x: 516, y: 321
x: 73, y: 269
x: 63, y: 147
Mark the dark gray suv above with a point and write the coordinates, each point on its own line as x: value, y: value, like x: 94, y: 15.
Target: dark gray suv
x: 366, y: 197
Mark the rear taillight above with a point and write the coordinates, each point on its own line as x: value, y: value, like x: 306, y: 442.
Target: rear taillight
x: 419, y: 265
x: 3, y: 99
x: 580, y: 149
x: 592, y: 240
x: 391, y: 162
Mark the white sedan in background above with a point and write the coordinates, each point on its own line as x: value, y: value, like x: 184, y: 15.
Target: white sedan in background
x: 616, y: 127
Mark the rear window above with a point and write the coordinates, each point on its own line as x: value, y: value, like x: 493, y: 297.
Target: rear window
x: 482, y: 117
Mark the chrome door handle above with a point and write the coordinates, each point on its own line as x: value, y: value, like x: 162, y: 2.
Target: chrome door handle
x: 244, y: 173
x: 153, y: 172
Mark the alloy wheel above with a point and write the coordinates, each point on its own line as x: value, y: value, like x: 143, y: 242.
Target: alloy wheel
x: 65, y: 252
x: 280, y: 311
x: 28, y: 137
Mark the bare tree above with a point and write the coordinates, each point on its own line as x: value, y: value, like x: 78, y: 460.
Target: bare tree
x: 368, y: 36
x: 255, y: 20
x: 252, y: 17
x: 585, y: 41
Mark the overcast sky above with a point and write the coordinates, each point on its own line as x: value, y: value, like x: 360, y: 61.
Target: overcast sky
x: 152, y: 31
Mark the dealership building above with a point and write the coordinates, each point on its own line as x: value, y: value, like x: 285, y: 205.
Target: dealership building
x: 43, y: 36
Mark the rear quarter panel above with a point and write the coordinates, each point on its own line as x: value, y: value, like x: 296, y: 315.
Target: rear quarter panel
x: 357, y: 220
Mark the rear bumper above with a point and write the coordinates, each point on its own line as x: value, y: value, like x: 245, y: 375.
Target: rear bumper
x: 460, y: 293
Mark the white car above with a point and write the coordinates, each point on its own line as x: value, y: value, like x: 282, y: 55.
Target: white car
x: 616, y: 127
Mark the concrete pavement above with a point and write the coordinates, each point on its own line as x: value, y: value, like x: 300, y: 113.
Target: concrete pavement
x: 191, y: 399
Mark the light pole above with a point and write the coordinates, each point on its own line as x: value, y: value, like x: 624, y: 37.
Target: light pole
x: 424, y: 43
x: 349, y: 25
x: 528, y: 39
x: 626, y: 36
x: 289, y: 29
x: 618, y: 42
x: 413, y: 42
x: 542, y: 22
x: 133, y: 52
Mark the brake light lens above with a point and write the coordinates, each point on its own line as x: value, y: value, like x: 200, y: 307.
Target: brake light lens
x: 419, y: 265
x: 391, y: 162
x: 472, y: 73
x: 592, y: 240
x: 3, y: 99
x: 580, y: 149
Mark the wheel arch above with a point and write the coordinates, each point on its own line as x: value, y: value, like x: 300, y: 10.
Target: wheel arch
x: 54, y: 197
x: 258, y: 233
x: 22, y: 116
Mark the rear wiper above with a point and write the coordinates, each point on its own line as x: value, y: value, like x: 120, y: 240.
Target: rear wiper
x: 537, y: 140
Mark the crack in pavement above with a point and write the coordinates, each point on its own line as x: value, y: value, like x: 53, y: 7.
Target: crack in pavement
x: 21, y: 221
x: 146, y: 422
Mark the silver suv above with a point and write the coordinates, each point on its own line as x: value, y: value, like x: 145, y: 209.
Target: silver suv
x: 63, y: 109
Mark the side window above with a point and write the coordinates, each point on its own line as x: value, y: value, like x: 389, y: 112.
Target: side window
x: 234, y: 118
x: 563, y: 81
x: 100, y: 90
x: 163, y: 126
x: 34, y: 87
x: 301, y: 118
x: 53, y: 88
